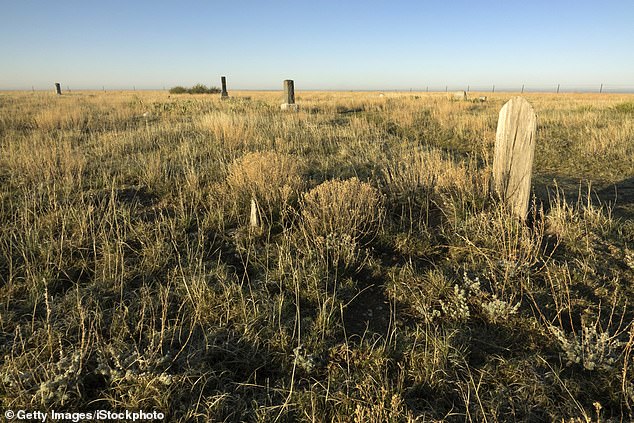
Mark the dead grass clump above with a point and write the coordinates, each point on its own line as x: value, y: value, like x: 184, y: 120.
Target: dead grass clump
x: 41, y: 157
x: 274, y: 180
x: 428, y: 168
x: 428, y: 175
x: 580, y: 226
x: 343, y: 208
x: 64, y: 116
x: 230, y: 129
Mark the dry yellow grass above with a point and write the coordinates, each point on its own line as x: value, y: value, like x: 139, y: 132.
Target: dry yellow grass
x: 386, y: 284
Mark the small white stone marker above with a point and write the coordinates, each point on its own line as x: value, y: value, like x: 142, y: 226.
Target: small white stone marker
x: 254, y: 220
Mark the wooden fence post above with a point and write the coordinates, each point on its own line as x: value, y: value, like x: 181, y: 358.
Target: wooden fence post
x: 224, y: 94
x: 58, y: 88
x: 513, y: 156
x: 289, y: 96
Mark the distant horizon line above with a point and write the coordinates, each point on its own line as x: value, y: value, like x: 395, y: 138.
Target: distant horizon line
x: 585, y: 89
x: 443, y: 87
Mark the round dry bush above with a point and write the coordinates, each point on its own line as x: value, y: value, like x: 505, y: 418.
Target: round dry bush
x: 342, y: 208
x: 272, y: 179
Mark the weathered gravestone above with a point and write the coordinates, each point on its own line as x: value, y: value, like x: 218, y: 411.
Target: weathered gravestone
x: 254, y: 218
x: 224, y: 94
x: 513, y: 156
x: 458, y: 96
x: 289, y: 96
x: 58, y: 88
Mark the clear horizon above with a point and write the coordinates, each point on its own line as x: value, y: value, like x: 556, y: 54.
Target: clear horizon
x: 354, y: 45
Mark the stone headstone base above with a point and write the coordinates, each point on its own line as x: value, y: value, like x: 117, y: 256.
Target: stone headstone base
x: 290, y: 107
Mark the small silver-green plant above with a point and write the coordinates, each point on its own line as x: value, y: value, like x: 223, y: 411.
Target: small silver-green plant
x: 135, y: 377
x: 455, y: 307
x: 593, y: 347
x: 65, y: 373
x: 472, y: 285
x: 304, y: 360
x: 497, y: 310
x: 494, y: 308
x: 629, y: 258
x: 342, y: 250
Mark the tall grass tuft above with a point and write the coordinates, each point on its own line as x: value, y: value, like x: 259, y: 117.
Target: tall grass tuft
x: 273, y: 180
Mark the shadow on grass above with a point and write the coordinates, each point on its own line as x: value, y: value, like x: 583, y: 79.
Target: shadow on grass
x: 619, y: 196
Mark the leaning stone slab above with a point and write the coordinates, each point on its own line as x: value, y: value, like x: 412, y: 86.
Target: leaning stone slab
x: 513, y: 156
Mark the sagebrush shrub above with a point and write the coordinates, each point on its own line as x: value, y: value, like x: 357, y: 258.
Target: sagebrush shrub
x: 589, y: 347
x: 497, y: 310
x: 342, y: 208
x: 203, y: 89
x: 178, y: 90
x: 196, y: 89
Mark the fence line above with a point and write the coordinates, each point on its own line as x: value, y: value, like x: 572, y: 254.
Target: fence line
x: 556, y: 88
x: 530, y: 88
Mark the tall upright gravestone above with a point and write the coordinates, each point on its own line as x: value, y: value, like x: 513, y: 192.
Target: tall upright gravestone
x: 224, y: 94
x: 513, y: 156
x: 289, y: 96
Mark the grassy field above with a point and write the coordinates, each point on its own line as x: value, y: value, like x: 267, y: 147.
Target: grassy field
x: 383, y: 282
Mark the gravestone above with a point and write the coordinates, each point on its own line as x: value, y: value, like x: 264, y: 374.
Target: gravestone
x: 289, y: 96
x: 513, y: 156
x: 254, y: 218
x: 458, y: 96
x: 224, y: 94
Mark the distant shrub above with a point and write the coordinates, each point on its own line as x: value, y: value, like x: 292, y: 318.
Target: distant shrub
x: 203, y: 89
x: 178, y: 90
x: 626, y: 108
x: 196, y: 89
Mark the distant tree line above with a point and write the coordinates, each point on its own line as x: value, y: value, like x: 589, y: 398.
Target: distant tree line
x: 196, y: 89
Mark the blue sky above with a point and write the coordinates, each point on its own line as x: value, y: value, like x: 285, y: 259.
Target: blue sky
x: 320, y: 44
